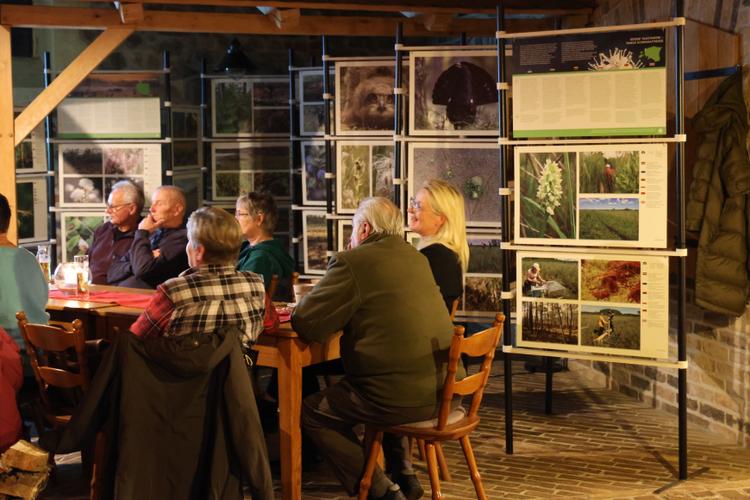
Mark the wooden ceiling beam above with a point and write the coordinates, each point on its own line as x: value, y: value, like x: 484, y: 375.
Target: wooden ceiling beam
x: 248, y: 24
x: 353, y: 5
x: 68, y: 80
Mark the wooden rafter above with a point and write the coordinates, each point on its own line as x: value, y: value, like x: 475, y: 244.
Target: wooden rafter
x: 236, y: 23
x: 68, y: 79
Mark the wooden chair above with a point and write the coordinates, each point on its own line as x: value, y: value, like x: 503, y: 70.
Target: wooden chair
x: 58, y: 359
x: 450, y: 424
x: 271, y: 292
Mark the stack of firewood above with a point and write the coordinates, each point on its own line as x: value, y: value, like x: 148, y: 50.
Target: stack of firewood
x: 23, y: 471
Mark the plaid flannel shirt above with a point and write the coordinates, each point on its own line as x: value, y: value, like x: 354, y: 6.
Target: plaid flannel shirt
x: 205, y: 299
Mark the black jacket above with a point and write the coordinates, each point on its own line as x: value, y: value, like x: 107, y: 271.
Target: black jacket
x: 180, y: 420
x: 146, y: 270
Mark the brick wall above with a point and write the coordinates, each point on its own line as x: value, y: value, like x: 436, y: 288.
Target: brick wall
x: 718, y: 346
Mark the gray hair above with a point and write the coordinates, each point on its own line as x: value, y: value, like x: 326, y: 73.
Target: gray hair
x: 381, y: 214
x: 133, y: 193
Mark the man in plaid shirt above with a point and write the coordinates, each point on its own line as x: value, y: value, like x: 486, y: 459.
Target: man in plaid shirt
x: 211, y: 294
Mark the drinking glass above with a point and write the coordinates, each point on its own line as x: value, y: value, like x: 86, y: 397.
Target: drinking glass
x: 42, y: 257
x: 83, y: 276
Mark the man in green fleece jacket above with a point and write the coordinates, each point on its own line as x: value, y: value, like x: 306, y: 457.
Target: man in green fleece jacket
x: 394, y: 347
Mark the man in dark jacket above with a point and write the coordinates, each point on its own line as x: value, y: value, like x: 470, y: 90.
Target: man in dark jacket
x: 112, y: 240
x: 158, y: 249
x: 394, y: 348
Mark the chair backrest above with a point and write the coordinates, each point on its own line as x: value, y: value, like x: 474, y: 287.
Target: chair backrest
x: 481, y: 344
x: 454, y: 308
x: 294, y: 278
x: 271, y: 292
x: 49, y: 349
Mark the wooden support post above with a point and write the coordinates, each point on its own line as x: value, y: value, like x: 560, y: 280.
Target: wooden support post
x: 66, y: 81
x: 7, y: 144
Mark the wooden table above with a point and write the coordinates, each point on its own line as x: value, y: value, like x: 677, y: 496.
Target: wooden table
x: 282, y: 350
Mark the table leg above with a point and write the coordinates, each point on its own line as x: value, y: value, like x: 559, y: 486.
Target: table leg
x: 290, y: 406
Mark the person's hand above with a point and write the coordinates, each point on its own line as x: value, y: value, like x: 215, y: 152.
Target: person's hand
x: 149, y: 224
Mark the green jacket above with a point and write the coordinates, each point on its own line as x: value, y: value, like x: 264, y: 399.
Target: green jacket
x: 396, y: 330
x: 266, y: 258
x: 717, y: 201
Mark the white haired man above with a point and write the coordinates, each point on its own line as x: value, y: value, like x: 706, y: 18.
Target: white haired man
x: 112, y: 240
x: 394, y: 348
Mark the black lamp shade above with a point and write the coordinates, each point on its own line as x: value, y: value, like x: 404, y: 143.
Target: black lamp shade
x: 235, y: 61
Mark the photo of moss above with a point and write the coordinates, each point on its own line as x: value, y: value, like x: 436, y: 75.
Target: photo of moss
x: 611, y: 280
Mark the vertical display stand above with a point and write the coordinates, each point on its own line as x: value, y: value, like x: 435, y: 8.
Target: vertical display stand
x: 294, y: 161
x: 329, y: 175
x: 679, y: 252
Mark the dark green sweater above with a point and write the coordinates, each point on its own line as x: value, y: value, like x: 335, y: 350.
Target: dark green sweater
x: 266, y: 258
x: 396, y: 329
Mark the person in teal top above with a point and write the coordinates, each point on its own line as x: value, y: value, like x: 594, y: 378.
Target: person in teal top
x: 261, y: 254
x: 24, y: 287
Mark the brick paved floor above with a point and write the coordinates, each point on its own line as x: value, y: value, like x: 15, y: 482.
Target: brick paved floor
x: 596, y: 444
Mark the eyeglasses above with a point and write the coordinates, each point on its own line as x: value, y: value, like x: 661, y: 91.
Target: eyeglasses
x: 116, y: 207
x: 241, y: 214
x: 415, y: 204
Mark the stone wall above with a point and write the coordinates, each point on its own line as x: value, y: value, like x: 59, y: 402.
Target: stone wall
x: 718, y: 346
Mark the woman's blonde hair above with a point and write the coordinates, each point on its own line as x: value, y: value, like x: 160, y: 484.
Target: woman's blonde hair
x: 448, y: 202
x: 219, y: 233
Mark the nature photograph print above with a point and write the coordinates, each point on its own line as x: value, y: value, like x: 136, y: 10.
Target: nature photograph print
x: 613, y: 172
x: 485, y: 255
x: 611, y: 280
x: 315, y: 242
x: 232, y: 107
x: 353, y: 181
x: 611, y: 326
x: 382, y: 171
x: 614, y: 219
x: 551, y: 322
x: 364, y: 98
x: 482, y: 293
x: 470, y: 168
x: 79, y: 233
x: 549, y: 278
x: 313, y: 173
x: 548, y: 195
x: 25, y: 209
x: 454, y: 93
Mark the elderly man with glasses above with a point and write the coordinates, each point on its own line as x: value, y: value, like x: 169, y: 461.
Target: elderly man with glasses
x: 112, y: 239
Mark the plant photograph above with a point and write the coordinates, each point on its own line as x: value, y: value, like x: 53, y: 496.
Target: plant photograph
x: 123, y: 161
x: 609, y: 219
x: 382, y: 171
x: 548, y: 195
x: 313, y: 173
x: 482, y: 293
x: 353, y: 180
x: 25, y: 209
x: 613, y: 172
x: 471, y: 169
x: 274, y: 183
x: 185, y: 153
x: 609, y: 326
x: 485, y: 255
x: 79, y: 233
x: 81, y: 161
x: 611, y: 280
x: 230, y: 185
x: 232, y: 107
x: 549, y: 277
x: 551, y: 322
x: 24, y: 155
x: 315, y: 242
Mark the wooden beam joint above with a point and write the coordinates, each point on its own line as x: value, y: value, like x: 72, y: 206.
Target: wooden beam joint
x: 130, y: 12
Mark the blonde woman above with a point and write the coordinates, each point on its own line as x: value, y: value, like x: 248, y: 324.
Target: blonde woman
x: 436, y: 213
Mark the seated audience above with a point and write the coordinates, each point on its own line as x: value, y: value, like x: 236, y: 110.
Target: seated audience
x: 436, y: 213
x: 394, y: 348
x: 24, y: 287
x: 260, y: 253
x: 112, y: 240
x: 158, y: 249
x: 211, y: 294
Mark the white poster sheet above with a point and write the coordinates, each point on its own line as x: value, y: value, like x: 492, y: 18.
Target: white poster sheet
x: 595, y: 303
x: 109, y: 118
x: 87, y: 171
x: 593, y: 84
x: 598, y: 195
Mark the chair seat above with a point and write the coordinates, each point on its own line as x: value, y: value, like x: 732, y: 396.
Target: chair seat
x: 453, y: 431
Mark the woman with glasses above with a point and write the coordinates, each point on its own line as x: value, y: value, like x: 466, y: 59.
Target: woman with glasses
x: 260, y: 253
x: 436, y: 213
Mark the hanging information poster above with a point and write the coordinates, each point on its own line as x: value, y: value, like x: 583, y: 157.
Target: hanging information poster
x: 596, y: 84
x: 594, y: 303
x: 472, y: 168
x: 603, y: 195
x: 32, y: 208
x: 365, y: 168
x: 242, y: 167
x: 109, y: 118
x: 87, y: 171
